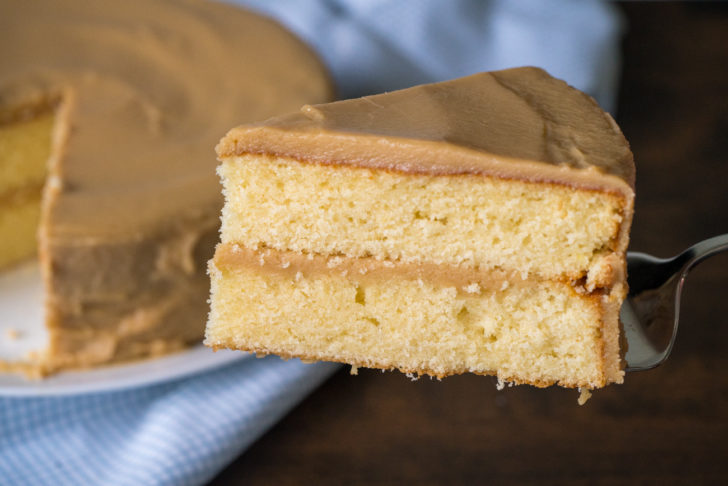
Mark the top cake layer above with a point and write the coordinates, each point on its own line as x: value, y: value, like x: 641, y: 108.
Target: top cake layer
x: 145, y: 89
x: 519, y: 123
x: 511, y: 170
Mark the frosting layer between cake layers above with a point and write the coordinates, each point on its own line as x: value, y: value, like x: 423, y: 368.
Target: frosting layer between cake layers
x: 421, y: 319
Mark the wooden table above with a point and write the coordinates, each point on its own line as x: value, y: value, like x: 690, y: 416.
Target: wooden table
x: 666, y: 426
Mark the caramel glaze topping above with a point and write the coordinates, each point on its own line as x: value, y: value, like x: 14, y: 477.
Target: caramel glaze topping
x: 519, y: 123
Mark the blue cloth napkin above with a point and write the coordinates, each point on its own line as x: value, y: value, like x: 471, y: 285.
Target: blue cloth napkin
x: 179, y: 433
x: 185, y: 432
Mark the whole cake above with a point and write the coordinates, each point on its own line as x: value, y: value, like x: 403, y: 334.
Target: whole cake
x: 124, y: 102
x: 477, y: 225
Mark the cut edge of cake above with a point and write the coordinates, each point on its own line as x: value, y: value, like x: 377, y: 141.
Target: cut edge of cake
x: 358, y: 135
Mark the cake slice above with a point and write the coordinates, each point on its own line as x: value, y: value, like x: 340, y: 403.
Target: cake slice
x: 477, y: 225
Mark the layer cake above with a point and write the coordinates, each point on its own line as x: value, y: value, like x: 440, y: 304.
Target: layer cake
x: 477, y: 225
x: 122, y: 103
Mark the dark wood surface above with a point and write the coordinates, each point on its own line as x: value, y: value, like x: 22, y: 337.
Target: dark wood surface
x: 666, y: 426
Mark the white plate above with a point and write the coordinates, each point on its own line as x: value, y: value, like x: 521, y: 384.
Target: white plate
x: 21, y: 331
x: 120, y: 377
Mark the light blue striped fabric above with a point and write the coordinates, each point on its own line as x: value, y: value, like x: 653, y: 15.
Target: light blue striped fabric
x: 179, y: 433
x: 183, y: 433
x: 372, y: 46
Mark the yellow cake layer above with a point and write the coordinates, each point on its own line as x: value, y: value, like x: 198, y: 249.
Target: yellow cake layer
x: 24, y: 150
x: 528, y: 332
x: 18, y: 227
x: 474, y: 221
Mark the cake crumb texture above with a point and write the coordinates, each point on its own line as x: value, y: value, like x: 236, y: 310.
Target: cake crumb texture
x: 541, y: 334
x: 476, y: 225
x: 544, y: 230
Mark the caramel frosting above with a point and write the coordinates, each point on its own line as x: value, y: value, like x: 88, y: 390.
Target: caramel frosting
x: 518, y: 123
x: 143, y: 89
x: 289, y: 264
x: 230, y: 256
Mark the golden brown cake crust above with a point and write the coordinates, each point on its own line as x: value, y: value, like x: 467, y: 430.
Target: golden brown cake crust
x: 409, y: 371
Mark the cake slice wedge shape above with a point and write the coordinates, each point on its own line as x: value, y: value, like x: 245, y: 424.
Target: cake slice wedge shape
x: 476, y: 225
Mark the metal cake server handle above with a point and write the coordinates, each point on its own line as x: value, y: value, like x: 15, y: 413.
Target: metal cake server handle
x: 651, y: 310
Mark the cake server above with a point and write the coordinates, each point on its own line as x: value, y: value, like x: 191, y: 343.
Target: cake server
x: 651, y: 311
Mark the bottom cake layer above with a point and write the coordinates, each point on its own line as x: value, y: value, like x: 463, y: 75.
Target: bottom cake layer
x: 18, y: 228
x: 378, y: 315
